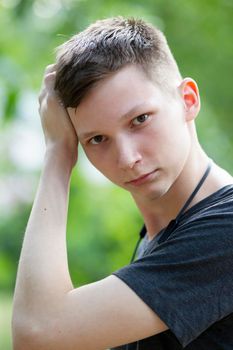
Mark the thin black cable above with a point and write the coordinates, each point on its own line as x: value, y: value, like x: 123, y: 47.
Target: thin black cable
x: 173, y: 223
x: 142, y: 234
x: 197, y: 188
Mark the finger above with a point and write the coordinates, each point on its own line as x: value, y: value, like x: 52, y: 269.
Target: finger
x: 49, y: 80
x: 50, y: 68
x: 47, y: 86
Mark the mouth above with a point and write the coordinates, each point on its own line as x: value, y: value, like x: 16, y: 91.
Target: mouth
x: 141, y: 179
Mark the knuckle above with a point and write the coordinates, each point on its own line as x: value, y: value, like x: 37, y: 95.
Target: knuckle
x: 50, y: 68
x: 49, y: 79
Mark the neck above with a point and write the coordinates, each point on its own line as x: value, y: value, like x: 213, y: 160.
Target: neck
x: 158, y: 212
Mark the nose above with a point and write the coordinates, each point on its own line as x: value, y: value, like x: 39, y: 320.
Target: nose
x: 127, y: 153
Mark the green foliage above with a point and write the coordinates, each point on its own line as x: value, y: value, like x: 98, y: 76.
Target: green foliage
x: 12, y: 227
x: 101, y: 230
x: 5, y: 321
x: 103, y: 221
x: 199, y: 34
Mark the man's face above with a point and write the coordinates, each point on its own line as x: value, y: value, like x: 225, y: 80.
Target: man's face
x: 134, y: 133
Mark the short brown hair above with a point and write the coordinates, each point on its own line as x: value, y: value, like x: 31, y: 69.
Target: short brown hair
x: 107, y: 46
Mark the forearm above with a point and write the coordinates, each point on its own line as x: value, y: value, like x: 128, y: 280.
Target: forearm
x: 43, y: 277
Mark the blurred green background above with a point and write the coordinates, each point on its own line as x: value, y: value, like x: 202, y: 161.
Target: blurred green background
x: 103, y: 222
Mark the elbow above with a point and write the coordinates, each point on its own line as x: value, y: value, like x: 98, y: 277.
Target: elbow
x: 26, y: 335
x: 37, y: 335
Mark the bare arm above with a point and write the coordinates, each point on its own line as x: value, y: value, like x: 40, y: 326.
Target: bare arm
x: 48, y: 312
x: 43, y: 264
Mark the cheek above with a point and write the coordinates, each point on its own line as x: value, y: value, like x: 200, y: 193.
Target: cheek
x: 151, y: 142
x: 98, y: 160
x: 90, y: 156
x: 165, y: 141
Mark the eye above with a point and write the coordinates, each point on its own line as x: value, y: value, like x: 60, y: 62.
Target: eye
x: 97, y: 139
x: 140, y: 119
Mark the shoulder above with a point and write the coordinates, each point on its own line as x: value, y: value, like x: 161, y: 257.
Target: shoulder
x: 187, y: 279
x: 216, y: 208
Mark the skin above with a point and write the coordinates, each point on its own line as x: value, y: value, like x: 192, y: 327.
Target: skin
x: 156, y: 146
x: 145, y: 131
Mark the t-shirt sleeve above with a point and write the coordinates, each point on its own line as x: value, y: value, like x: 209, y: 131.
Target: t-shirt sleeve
x: 187, y: 280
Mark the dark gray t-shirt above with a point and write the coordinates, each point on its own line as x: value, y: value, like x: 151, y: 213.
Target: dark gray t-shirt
x: 187, y: 280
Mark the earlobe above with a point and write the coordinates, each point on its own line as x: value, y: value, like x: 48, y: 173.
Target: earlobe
x: 191, y: 98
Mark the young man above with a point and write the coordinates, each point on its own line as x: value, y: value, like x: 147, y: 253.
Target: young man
x: 117, y: 90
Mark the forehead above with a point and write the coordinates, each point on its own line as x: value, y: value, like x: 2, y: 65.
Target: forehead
x: 126, y: 90
x: 131, y: 78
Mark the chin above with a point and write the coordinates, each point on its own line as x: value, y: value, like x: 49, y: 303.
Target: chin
x: 152, y: 193
x: 156, y: 194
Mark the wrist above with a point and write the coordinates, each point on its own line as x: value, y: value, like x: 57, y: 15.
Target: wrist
x: 61, y: 153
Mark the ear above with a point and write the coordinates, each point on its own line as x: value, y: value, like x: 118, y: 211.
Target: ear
x: 191, y: 98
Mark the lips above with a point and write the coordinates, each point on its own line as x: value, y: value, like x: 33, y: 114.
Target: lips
x: 142, y: 179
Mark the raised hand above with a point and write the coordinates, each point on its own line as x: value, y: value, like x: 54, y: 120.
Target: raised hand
x: 56, y: 123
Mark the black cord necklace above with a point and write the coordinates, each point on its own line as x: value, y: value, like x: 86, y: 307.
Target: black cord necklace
x: 173, y: 223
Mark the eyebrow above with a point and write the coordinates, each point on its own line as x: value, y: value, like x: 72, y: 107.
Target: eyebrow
x: 145, y: 104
